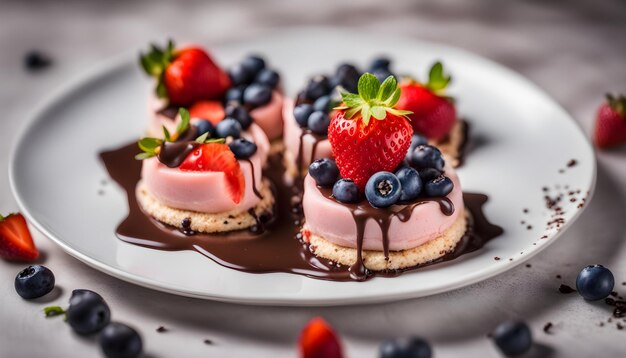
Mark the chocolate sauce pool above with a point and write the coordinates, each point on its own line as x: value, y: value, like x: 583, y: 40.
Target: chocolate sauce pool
x: 275, y: 244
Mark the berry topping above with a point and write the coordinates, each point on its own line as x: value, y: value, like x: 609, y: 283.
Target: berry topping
x: 267, y: 77
x: 416, y: 140
x: 229, y: 127
x: 87, y: 313
x: 318, y: 122
x: 240, y: 114
x: 595, y: 282
x: 409, y: 347
x: 410, y: 182
x: 253, y: 64
x: 346, y: 76
x: 210, y: 110
x: 346, y: 191
x: 323, y: 104
x: 383, y: 189
x: 367, y: 134
x: 16, y: 243
x: 324, y: 171
x: 513, y: 338
x: 439, y: 187
x: 380, y: 63
x: 205, y: 126
x: 239, y: 75
x: 185, y: 76
x: 318, y: 340
x: 301, y: 113
x: 242, y: 148
x: 610, y: 129
x: 317, y: 87
x: 382, y: 74
x: 118, y: 340
x: 257, y: 95
x: 34, y: 281
x: 428, y: 174
x: 234, y: 94
x: 427, y: 156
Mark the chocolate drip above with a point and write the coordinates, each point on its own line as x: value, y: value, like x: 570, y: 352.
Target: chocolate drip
x: 169, y: 112
x: 173, y: 154
x: 256, y: 191
x: 300, y: 157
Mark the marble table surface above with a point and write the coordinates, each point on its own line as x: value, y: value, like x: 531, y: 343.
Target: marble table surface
x: 574, y: 50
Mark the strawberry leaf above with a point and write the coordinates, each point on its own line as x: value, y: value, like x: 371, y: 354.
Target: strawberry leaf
x: 53, y: 311
x: 437, y: 80
x: 368, y: 86
x: 155, y: 62
x: 166, y: 135
x: 149, y: 147
x: 618, y: 104
x: 202, y: 138
x: 184, y: 123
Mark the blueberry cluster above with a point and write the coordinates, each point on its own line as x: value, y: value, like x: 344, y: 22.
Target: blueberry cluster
x: 321, y: 94
x: 252, y: 82
x: 237, y: 119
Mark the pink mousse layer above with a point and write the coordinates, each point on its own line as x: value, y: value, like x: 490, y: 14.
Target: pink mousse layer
x: 206, y: 191
x: 268, y: 117
x: 292, y: 134
x: 333, y: 221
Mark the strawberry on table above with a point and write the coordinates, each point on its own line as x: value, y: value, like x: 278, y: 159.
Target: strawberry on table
x: 367, y: 133
x: 434, y: 114
x: 16, y: 243
x: 610, y: 129
x: 185, y: 75
x: 318, y: 340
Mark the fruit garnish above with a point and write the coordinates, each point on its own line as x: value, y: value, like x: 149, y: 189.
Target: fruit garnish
x: 34, y: 281
x: 87, y: 313
x: 318, y: 340
x: 213, y: 111
x: 610, y: 128
x: 184, y: 76
x: 16, y: 242
x: 363, y: 146
x: 595, y: 282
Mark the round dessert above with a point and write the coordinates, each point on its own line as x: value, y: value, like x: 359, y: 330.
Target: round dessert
x: 248, y: 91
x: 205, y: 178
x: 381, y: 204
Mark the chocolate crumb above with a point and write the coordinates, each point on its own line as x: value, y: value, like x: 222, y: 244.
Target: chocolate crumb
x: 624, y: 283
x: 572, y: 163
x: 225, y: 222
x: 161, y: 329
x: 100, y: 192
x: 497, y: 258
x: 565, y: 289
x: 619, y: 326
x: 510, y: 259
x: 103, y: 182
x: 522, y: 222
x: 548, y: 327
x: 525, y: 211
x: 613, y: 293
x: 545, y: 188
x: 573, y: 200
x: 601, y: 324
x: 36, y: 61
x: 208, y: 342
x: 529, y: 227
x: 558, y: 277
x: 528, y: 265
x: 561, y: 171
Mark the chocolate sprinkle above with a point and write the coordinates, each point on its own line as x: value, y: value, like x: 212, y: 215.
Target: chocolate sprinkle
x: 161, y: 329
x: 547, y: 328
x: 565, y: 289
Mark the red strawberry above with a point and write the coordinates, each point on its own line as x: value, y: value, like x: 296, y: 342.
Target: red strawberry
x: 433, y: 115
x: 611, y: 122
x: 212, y: 111
x: 318, y: 340
x: 368, y: 134
x: 186, y: 75
x: 217, y: 157
x: 15, y: 240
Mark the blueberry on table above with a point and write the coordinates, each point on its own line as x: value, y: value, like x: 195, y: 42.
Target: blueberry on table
x: 87, y: 313
x: 229, y: 127
x: 322, y: 104
x: 346, y: 191
x: 380, y: 63
x: 34, y: 281
x: 253, y: 64
x: 411, y: 183
x: 118, y: 340
x: 301, y: 113
x: 439, y: 187
x: 513, y: 338
x: 318, y: 122
x: 317, y: 87
x: 427, y: 156
x: 324, y: 171
x: 409, y: 347
x: 240, y: 114
x: 267, y: 77
x: 257, y: 95
x: 595, y: 282
x: 242, y: 148
x: 383, y: 189
x: 239, y: 75
x: 204, y: 126
x: 235, y: 94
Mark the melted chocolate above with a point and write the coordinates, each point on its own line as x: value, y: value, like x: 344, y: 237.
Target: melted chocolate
x: 173, y: 154
x: 274, y: 244
x: 170, y: 112
x: 254, y: 188
x: 300, y: 157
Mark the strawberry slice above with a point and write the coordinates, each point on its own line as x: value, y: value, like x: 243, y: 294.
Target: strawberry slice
x: 213, y: 111
x: 16, y: 243
x: 318, y: 340
x: 217, y: 157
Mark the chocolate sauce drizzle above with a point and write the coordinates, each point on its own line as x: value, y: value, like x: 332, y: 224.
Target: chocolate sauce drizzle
x: 300, y: 157
x: 275, y: 243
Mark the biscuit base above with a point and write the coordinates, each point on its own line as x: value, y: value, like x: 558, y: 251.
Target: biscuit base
x: 277, y: 146
x: 205, y: 222
x: 397, y: 260
x: 453, y: 143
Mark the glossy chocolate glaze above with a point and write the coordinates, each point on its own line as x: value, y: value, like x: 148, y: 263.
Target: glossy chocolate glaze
x: 169, y: 112
x: 275, y: 243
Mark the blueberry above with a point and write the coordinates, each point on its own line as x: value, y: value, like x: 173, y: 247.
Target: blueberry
x: 257, y: 95
x: 346, y: 76
x: 229, y: 127
x: 118, y: 340
x: 317, y: 87
x: 409, y: 347
x: 383, y: 189
x: 34, y: 281
x: 301, y: 113
x: 240, y: 114
x: 411, y: 183
x: 439, y: 187
x: 382, y: 74
x: 380, y: 63
x: 428, y: 174
x: 318, y: 122
x: 235, y: 94
x: 416, y: 139
x: 427, y: 156
x: 513, y: 338
x: 205, y: 126
x: 242, y: 148
x: 239, y: 75
x: 324, y: 171
x: 595, y: 282
x: 253, y: 64
x: 267, y: 77
x: 346, y: 191
x: 88, y: 313
x: 322, y: 104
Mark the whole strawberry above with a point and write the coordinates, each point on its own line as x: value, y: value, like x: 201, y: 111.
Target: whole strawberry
x: 367, y: 133
x: 186, y: 75
x: 318, y: 340
x: 434, y: 114
x: 611, y: 122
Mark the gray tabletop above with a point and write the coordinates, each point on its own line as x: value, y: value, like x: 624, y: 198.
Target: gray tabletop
x: 574, y: 50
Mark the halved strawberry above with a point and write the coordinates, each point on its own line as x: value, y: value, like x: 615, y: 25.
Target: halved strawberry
x: 318, y: 340
x: 213, y: 111
x: 217, y: 157
x: 16, y: 243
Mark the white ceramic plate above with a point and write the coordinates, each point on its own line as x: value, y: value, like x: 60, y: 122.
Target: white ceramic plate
x: 522, y: 139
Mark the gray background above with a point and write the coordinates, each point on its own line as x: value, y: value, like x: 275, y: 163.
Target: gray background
x: 575, y: 50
